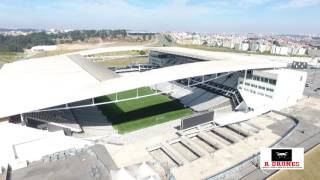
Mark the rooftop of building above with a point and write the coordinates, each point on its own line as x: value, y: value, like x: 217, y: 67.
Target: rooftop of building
x: 87, y: 163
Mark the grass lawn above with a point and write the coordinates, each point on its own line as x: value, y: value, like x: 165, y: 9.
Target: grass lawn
x: 53, y: 53
x: 6, y: 57
x: 311, y: 168
x: 136, y: 114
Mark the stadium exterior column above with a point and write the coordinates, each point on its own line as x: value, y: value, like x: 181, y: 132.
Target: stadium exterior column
x: 23, y: 120
x: 156, y: 87
x: 244, y: 78
x: 214, y: 122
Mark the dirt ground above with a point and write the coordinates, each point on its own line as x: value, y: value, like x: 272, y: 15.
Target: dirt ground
x: 311, y: 168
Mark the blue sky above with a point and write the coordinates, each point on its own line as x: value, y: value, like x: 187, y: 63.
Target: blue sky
x: 266, y: 16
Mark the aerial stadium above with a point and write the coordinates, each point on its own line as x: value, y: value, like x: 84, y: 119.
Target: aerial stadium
x: 202, y: 91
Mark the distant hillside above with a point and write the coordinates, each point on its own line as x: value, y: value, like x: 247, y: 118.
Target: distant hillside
x: 22, y: 30
x: 21, y: 42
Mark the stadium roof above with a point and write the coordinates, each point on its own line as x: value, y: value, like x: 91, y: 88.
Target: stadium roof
x: 34, y: 84
x: 109, y: 49
x: 213, y: 55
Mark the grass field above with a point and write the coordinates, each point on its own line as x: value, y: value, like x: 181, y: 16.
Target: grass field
x: 311, y: 168
x: 6, y: 57
x: 136, y: 114
x: 53, y: 53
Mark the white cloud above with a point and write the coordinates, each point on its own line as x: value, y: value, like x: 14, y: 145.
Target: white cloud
x: 251, y: 3
x: 229, y: 4
x: 298, y: 4
x: 120, y: 13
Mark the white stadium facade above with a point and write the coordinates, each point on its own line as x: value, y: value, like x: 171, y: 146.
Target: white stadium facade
x: 236, y: 87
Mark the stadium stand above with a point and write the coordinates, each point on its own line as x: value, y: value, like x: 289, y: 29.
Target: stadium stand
x: 232, y: 80
x: 90, y: 116
x: 214, y: 103
x: 135, y: 68
x: 225, y: 86
x: 92, y: 120
x: 61, y: 118
x: 204, y: 95
x: 76, y: 120
x: 231, y: 93
x: 196, y: 98
x: 164, y: 60
x: 202, y: 98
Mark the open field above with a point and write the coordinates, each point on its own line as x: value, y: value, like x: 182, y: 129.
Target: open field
x: 124, y: 62
x: 136, y: 114
x: 311, y: 168
x: 132, y: 43
x: 105, y: 43
x: 53, y: 53
x: 79, y: 46
x: 6, y: 57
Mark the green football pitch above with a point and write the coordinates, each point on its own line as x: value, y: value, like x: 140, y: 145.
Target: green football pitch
x: 136, y: 114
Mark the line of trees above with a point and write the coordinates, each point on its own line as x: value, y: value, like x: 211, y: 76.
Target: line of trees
x: 81, y: 35
x: 21, y: 42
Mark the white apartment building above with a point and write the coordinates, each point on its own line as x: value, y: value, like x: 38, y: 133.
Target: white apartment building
x: 244, y: 46
x: 300, y: 51
x: 254, y: 46
x: 262, y: 48
x: 281, y: 50
x: 226, y: 43
x: 314, y: 52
